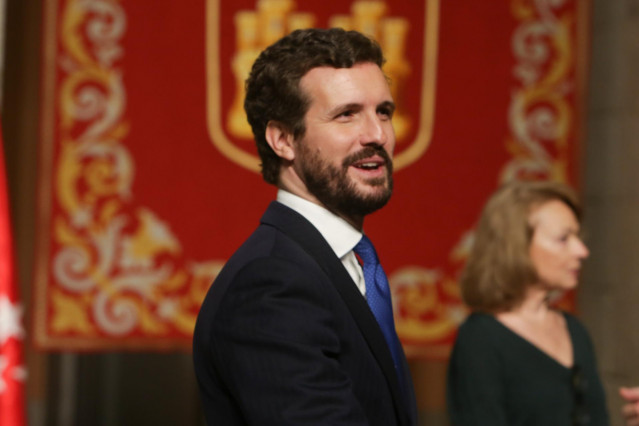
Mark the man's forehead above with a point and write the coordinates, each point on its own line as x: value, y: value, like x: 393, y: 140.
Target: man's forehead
x: 341, y: 83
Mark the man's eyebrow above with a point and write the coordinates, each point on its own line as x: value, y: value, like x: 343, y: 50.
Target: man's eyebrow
x: 389, y: 105
x: 344, y: 107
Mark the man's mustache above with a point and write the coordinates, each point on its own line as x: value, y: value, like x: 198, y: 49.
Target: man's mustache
x: 367, y: 152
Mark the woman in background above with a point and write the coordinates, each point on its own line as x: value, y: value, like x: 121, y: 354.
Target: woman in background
x: 517, y: 360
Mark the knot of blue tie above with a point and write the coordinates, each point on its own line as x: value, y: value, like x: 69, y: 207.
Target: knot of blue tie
x: 378, y: 296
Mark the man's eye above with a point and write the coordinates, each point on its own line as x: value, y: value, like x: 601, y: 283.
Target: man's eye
x: 386, y: 112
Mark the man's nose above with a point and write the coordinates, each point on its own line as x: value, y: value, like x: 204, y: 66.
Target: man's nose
x: 375, y: 130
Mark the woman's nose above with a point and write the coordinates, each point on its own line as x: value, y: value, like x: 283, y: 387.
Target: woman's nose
x: 581, y: 249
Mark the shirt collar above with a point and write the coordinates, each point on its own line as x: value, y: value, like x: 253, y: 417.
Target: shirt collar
x: 339, y: 234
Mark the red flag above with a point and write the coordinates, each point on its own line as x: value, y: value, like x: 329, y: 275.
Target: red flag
x: 12, y: 371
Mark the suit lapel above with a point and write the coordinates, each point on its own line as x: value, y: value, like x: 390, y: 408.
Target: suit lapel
x: 309, y: 238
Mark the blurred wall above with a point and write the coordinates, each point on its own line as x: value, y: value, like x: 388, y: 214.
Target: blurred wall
x: 609, y: 296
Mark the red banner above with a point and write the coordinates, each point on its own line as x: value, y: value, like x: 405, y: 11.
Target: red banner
x: 150, y: 180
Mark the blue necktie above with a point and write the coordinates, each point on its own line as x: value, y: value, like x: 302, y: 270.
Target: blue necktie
x: 378, y: 297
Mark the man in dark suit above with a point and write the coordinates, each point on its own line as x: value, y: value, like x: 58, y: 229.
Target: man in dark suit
x: 285, y: 335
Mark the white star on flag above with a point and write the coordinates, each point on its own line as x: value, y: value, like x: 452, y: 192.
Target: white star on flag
x: 10, y: 320
x: 19, y: 373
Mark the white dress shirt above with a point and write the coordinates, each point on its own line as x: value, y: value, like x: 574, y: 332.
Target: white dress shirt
x: 339, y: 234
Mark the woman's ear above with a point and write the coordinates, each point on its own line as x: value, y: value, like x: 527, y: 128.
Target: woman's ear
x: 280, y: 140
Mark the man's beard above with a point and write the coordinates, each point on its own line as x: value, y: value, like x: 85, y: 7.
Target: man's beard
x: 333, y: 187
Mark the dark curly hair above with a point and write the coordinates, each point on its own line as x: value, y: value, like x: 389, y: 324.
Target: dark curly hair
x: 272, y: 88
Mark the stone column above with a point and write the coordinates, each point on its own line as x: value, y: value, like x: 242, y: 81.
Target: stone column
x: 609, y: 294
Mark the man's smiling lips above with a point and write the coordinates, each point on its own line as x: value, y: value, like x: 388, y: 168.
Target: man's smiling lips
x: 374, y: 165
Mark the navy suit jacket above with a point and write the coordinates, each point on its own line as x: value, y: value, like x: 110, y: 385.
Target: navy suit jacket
x: 284, y: 337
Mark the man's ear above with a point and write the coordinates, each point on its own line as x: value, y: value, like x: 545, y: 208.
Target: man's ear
x: 280, y: 140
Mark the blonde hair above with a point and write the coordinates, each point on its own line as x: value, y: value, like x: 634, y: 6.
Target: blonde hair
x: 499, y: 270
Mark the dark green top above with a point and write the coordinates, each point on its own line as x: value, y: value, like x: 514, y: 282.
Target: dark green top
x: 496, y: 377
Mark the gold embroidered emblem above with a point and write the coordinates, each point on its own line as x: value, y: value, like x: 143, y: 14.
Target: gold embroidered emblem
x: 272, y: 19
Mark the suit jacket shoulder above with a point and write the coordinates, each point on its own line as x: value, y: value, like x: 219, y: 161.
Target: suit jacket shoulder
x: 282, y: 317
